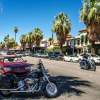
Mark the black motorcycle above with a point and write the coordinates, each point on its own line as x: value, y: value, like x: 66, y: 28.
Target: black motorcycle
x: 87, y: 64
x: 38, y: 80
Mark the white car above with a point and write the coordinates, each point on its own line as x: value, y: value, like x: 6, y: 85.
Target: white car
x: 95, y: 58
x: 71, y: 58
x: 66, y: 58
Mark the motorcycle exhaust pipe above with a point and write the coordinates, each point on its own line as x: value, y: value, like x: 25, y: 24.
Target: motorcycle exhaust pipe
x: 8, y: 89
x: 11, y: 89
x: 21, y: 91
x: 27, y: 91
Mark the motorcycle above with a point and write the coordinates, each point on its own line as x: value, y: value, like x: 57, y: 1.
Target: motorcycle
x: 38, y: 80
x: 87, y: 64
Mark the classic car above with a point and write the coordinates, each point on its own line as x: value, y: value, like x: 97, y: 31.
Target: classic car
x: 12, y: 64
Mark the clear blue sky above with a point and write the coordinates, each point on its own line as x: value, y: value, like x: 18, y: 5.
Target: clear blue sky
x: 27, y: 14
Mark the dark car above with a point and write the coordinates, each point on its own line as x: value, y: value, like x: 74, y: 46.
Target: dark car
x: 12, y: 64
x: 55, y: 55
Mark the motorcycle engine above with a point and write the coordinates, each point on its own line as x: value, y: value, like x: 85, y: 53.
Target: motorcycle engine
x: 21, y: 85
x: 25, y: 84
x: 28, y: 81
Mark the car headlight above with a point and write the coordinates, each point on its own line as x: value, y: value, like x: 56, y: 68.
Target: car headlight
x: 7, y: 69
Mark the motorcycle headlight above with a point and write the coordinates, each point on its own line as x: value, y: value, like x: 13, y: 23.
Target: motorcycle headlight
x: 7, y: 69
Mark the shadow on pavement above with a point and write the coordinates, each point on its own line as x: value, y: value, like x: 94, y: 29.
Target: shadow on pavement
x: 70, y: 85
x: 66, y: 84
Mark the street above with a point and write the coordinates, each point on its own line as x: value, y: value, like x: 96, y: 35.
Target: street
x: 74, y: 83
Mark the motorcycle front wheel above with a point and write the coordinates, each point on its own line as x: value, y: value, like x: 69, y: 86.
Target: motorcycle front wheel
x: 51, y: 90
x: 83, y: 65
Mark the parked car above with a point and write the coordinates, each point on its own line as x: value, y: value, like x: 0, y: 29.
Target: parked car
x: 55, y: 55
x: 71, y: 58
x: 43, y: 55
x: 27, y: 54
x: 7, y: 53
x: 14, y: 65
x: 20, y: 54
x: 95, y: 58
x: 66, y: 58
x: 36, y: 55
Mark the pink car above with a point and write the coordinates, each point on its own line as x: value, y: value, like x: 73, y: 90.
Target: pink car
x: 11, y: 64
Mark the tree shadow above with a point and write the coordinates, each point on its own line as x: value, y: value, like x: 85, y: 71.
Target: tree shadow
x: 66, y: 84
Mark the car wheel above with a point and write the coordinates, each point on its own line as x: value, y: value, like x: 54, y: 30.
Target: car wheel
x: 71, y: 60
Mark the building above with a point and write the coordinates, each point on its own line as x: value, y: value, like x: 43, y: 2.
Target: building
x: 81, y: 43
x: 86, y: 45
x: 42, y: 48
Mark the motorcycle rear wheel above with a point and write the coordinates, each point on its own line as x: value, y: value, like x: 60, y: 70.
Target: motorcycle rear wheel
x: 5, y: 93
x: 94, y: 67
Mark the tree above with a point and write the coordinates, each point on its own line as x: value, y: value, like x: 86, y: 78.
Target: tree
x: 90, y: 15
x: 50, y: 40
x: 2, y: 45
x: 9, y: 42
x: 6, y: 40
x: 61, y: 26
x: 15, y: 31
x: 38, y: 36
x: 23, y: 41
x: 12, y: 43
x: 30, y: 39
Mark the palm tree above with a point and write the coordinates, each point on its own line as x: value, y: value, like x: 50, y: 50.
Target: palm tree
x: 61, y: 26
x: 30, y: 39
x: 12, y: 43
x: 9, y: 42
x: 38, y: 36
x: 2, y: 45
x: 6, y: 40
x: 23, y: 41
x: 90, y: 15
x: 15, y: 31
x: 50, y: 40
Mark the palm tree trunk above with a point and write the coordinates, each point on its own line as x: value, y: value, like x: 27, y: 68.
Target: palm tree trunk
x: 93, y: 51
x: 15, y: 37
x: 23, y: 47
x: 61, y: 47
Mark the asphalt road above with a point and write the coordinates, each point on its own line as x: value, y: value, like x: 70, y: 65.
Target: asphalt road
x: 74, y: 83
